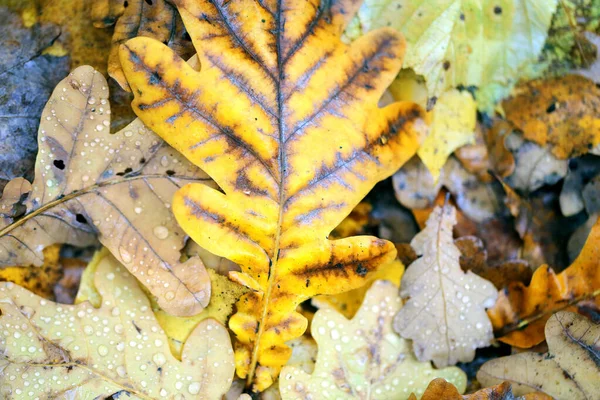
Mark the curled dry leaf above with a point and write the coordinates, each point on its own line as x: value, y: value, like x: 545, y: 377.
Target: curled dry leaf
x: 284, y: 117
x: 535, y: 166
x: 521, y: 312
x: 157, y: 19
x: 464, y: 42
x: 41, y: 280
x: 415, y: 189
x: 363, y: 357
x: 51, y: 350
x: 560, y: 112
x: 569, y: 370
x: 117, y: 186
x: 445, y: 311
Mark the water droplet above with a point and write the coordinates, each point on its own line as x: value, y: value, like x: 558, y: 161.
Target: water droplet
x: 102, y: 350
x: 125, y: 255
x: 169, y: 296
x: 121, y: 371
x: 161, y: 232
x: 88, y: 330
x: 138, y: 210
x: 49, y: 183
x: 159, y: 359
x: 164, y: 161
x: 194, y: 388
x: 99, y: 127
x: 92, y: 100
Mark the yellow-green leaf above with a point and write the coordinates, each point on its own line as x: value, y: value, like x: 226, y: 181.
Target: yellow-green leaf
x: 284, y: 117
x: 52, y: 350
x: 363, y: 358
x: 482, y: 43
x: 452, y: 125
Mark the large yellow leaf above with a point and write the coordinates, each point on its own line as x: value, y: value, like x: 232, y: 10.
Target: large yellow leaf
x: 444, y: 313
x: 57, y: 351
x: 482, y: 43
x: 363, y: 358
x: 284, y: 117
x: 89, y: 182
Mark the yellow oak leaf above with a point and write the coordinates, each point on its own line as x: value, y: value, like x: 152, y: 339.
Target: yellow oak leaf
x: 117, y: 187
x: 445, y: 311
x: 52, y: 350
x: 284, y: 117
x: 363, y: 358
x: 452, y: 126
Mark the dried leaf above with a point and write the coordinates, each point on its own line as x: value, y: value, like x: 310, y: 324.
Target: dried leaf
x: 119, y: 186
x: 440, y: 389
x: 27, y: 81
x: 51, y: 350
x: 561, y: 112
x: 157, y: 19
x: 569, y: 370
x: 464, y: 42
x: 284, y: 117
x: 445, y: 311
x: 452, y: 126
x: 535, y: 166
x: 363, y: 357
x: 348, y: 303
x: 415, y: 189
x: 38, y: 279
x: 581, y: 172
x: 521, y: 311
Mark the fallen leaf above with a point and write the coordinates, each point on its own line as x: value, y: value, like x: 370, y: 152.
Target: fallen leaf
x: 157, y: 19
x: 444, y: 313
x: 286, y: 130
x: 66, y: 288
x: 535, y: 166
x: 452, y: 126
x: 581, y: 171
x: 521, y: 312
x: 473, y: 257
x: 118, y: 186
x: 363, y: 357
x: 348, y: 303
x: 440, y: 389
x: 78, y: 351
x: 28, y: 78
x: 41, y: 280
x: 559, y: 112
x: 464, y: 42
x: 569, y: 370
x: 415, y: 189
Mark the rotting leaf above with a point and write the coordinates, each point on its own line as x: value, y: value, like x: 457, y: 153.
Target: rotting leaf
x: 284, y: 117
x: 445, y: 311
x: 464, y: 42
x: 156, y: 19
x: 28, y: 78
x: 118, y: 186
x: 41, y: 280
x: 560, y: 112
x: 569, y: 370
x: 440, y: 389
x: 363, y: 358
x: 54, y: 350
x: 521, y: 312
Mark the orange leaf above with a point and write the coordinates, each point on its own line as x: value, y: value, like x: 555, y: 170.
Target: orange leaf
x: 529, y: 307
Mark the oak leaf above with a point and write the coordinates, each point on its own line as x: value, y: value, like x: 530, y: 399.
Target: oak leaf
x: 559, y: 112
x: 521, y: 312
x: 445, y: 311
x: 157, y: 19
x: 569, y: 370
x: 117, y: 186
x: 284, y: 117
x: 52, y: 350
x: 363, y: 357
x: 464, y: 42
